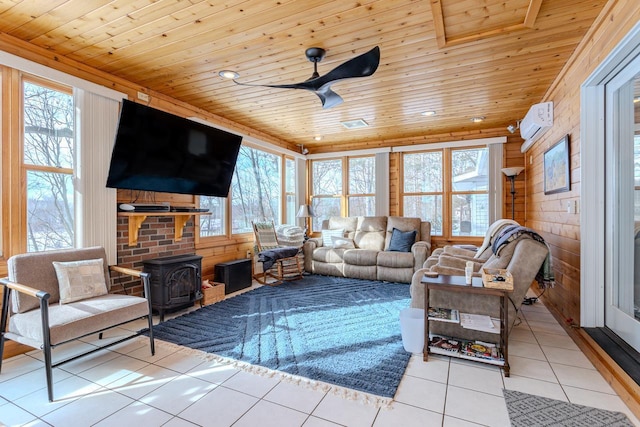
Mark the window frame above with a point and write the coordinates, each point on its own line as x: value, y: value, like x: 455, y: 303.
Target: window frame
x: 25, y: 168
x: 344, y: 195
x: 447, y: 192
x: 227, y: 208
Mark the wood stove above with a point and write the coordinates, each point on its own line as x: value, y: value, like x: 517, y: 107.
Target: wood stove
x: 176, y: 282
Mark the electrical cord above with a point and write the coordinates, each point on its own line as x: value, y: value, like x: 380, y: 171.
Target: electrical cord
x: 532, y: 300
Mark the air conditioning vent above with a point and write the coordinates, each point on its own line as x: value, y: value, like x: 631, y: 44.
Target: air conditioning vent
x: 355, y: 124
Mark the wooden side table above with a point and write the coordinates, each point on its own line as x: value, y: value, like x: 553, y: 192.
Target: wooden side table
x: 457, y: 284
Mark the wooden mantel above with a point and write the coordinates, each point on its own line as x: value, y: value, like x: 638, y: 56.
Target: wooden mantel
x: 137, y: 218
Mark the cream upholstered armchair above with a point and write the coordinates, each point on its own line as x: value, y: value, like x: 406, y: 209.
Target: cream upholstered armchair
x: 52, y: 298
x: 522, y: 256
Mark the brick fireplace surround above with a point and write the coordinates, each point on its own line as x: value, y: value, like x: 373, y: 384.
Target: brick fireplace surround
x: 155, y: 239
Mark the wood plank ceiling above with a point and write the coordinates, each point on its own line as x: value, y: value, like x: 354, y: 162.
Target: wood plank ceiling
x: 459, y: 58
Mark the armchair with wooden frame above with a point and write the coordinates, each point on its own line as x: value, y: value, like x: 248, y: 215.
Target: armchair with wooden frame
x: 55, y: 297
x: 278, y: 262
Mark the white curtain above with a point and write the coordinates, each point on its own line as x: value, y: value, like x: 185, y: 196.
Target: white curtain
x: 96, y: 221
x: 382, y: 184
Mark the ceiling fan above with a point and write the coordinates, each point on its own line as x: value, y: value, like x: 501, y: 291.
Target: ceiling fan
x: 361, y: 66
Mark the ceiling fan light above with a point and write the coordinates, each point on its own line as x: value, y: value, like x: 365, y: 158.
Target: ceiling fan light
x: 228, y: 74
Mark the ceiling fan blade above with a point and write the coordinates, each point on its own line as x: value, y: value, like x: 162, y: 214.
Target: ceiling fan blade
x: 361, y: 66
x: 328, y: 97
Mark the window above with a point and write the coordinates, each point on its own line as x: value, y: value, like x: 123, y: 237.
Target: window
x: 333, y: 193
x: 469, y: 205
x: 214, y: 224
x: 449, y: 188
x: 326, y: 190
x: 423, y: 188
x: 362, y: 186
x: 255, y: 194
x: 48, y: 162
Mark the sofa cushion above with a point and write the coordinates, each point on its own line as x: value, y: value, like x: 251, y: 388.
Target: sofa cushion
x: 35, y: 269
x: 80, y: 280
x: 360, y: 256
x: 371, y: 232
x: 396, y: 259
x: 328, y: 254
x: 69, y: 321
x: 348, y: 224
x: 401, y: 241
x: 343, y: 243
x: 404, y: 224
x: 327, y: 236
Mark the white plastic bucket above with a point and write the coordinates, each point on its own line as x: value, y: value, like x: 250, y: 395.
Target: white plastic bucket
x: 412, y: 329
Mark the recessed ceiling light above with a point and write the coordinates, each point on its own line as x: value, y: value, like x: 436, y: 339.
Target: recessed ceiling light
x: 228, y: 74
x: 355, y: 124
x: 428, y: 113
x: 478, y: 119
x: 318, y: 137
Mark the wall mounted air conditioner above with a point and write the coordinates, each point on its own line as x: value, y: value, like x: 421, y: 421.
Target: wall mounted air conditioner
x: 538, y: 120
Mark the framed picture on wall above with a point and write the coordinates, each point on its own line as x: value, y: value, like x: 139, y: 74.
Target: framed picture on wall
x: 556, y: 167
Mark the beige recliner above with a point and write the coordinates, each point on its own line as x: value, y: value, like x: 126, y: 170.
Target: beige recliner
x: 523, y: 257
x: 478, y: 256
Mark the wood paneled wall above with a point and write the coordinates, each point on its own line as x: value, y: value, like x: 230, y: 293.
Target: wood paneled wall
x: 548, y: 213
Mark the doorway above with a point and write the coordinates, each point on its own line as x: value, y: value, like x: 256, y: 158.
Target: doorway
x: 610, y: 187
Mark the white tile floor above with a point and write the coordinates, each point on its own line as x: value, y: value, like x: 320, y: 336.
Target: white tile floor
x: 125, y: 386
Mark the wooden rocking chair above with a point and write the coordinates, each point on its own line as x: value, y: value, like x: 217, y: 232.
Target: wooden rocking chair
x: 278, y: 262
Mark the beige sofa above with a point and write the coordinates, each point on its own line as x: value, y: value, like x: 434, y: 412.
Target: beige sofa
x: 369, y: 258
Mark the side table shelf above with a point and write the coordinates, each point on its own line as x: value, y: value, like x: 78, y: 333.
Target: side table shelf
x: 137, y: 218
x: 446, y: 283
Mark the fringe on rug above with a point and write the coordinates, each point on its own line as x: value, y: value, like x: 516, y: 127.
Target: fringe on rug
x: 345, y: 393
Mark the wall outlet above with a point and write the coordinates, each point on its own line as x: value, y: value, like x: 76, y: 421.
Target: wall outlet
x: 143, y: 96
x: 572, y: 206
x: 248, y: 253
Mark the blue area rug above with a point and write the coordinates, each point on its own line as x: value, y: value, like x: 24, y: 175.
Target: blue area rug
x: 335, y: 330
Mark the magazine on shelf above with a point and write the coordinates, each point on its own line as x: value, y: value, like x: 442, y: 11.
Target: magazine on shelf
x: 444, y: 343
x: 480, y: 322
x: 444, y: 314
x: 464, y: 349
x: 480, y: 349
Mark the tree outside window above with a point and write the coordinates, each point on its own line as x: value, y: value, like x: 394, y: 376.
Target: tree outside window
x: 332, y: 195
x: 423, y: 188
x: 48, y: 161
x: 455, y: 206
x: 362, y: 186
x: 326, y: 190
x: 255, y: 194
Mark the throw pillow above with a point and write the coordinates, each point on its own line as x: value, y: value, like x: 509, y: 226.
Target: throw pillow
x: 80, y: 280
x: 343, y: 243
x: 401, y: 241
x: 328, y: 234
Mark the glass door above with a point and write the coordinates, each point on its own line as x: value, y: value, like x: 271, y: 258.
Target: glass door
x: 622, y: 287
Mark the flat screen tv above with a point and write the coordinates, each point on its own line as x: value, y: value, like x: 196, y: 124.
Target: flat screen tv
x: 158, y: 151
